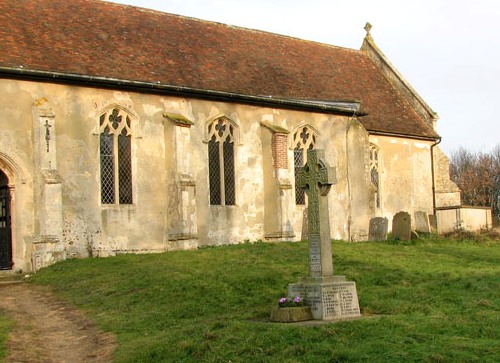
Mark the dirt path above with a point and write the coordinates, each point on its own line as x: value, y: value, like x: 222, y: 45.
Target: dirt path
x: 48, y: 330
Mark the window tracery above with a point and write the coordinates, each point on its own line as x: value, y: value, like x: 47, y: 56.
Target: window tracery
x: 303, y: 139
x: 115, y: 157
x: 221, y: 135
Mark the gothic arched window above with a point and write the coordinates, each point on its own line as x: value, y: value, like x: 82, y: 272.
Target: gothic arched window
x: 374, y: 172
x: 116, y: 157
x: 303, y: 139
x: 221, y: 162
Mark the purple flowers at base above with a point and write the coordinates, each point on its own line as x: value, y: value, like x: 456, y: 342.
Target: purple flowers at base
x: 287, y: 302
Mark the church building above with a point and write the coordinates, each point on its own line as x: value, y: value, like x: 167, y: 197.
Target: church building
x: 128, y: 130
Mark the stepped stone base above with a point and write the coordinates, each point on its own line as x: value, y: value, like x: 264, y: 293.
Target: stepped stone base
x: 291, y: 315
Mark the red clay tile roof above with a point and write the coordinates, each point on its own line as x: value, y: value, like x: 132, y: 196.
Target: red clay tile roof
x: 100, y: 39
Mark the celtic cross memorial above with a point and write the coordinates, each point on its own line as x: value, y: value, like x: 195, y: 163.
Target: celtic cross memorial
x: 317, y: 178
x: 329, y: 297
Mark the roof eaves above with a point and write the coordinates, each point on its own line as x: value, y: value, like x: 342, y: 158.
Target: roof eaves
x: 404, y: 136
x: 350, y: 108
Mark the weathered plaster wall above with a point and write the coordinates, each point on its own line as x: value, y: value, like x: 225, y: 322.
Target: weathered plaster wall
x: 361, y: 207
x: 16, y: 155
x: 447, y: 192
x: 406, y: 177
x: 171, y: 207
x: 450, y: 219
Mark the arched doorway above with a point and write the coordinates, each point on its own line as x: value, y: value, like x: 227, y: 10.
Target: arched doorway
x: 5, y: 225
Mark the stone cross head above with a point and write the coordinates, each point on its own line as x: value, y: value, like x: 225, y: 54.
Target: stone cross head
x: 316, y: 177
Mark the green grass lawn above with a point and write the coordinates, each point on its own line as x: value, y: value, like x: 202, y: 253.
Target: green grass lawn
x: 434, y: 300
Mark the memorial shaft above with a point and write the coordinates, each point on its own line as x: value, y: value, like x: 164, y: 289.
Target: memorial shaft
x: 316, y: 178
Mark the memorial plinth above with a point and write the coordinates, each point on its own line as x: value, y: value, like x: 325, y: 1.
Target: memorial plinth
x: 329, y: 297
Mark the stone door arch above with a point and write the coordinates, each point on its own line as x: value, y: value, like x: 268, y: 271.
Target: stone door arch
x: 5, y: 224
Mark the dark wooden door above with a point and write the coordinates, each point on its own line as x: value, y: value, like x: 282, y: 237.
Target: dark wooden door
x: 5, y: 230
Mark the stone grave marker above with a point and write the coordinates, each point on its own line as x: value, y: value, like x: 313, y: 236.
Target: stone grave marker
x: 401, y: 226
x: 378, y: 229
x: 329, y: 297
x: 422, y: 222
x: 433, y: 223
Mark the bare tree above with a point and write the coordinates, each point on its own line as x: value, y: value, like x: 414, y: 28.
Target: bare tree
x: 478, y: 177
x: 496, y: 197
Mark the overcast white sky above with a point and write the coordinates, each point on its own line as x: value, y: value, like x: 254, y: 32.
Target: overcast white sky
x: 449, y: 50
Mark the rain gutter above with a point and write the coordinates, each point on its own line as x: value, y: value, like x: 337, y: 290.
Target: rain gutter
x: 404, y: 136
x: 341, y: 108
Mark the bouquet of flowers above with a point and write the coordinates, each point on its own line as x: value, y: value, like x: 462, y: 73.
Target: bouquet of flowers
x: 287, y: 302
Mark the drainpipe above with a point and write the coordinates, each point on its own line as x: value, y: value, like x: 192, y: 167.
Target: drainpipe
x: 349, y: 193
x: 433, y: 176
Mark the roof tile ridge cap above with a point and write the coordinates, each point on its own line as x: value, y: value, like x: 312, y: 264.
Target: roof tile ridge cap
x: 147, y: 10
x: 292, y: 37
x: 128, y: 6
x: 219, y: 23
x: 267, y: 32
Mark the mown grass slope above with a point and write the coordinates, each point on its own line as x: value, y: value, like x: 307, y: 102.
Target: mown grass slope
x: 435, y: 300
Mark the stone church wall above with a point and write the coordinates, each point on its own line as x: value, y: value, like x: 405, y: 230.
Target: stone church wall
x: 50, y: 143
x: 406, y: 177
x: 447, y: 192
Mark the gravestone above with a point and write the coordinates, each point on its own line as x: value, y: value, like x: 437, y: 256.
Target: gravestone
x: 401, y: 226
x: 329, y: 297
x: 378, y: 229
x: 433, y: 223
x: 422, y: 222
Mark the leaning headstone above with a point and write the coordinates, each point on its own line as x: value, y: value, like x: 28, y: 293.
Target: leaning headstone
x: 329, y: 297
x: 433, y: 223
x: 401, y: 226
x: 422, y: 223
x: 378, y: 229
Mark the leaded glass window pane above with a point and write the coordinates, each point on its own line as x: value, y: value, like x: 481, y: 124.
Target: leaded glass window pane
x: 214, y: 172
x: 125, y: 168
x: 221, y: 163
x: 298, y: 157
x: 229, y: 173
x: 303, y: 139
x: 116, y: 158
x: 107, y: 168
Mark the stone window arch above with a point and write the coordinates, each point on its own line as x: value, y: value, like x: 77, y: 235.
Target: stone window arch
x: 375, y: 172
x: 115, y: 152
x: 222, y: 134
x: 303, y: 138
